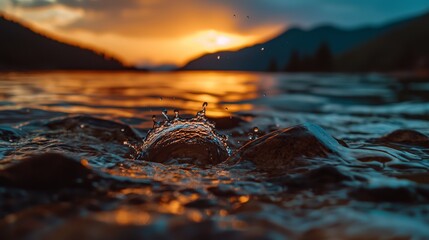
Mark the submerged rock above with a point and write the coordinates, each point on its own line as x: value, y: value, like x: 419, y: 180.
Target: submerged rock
x: 322, y: 177
x: 405, y: 136
x: 105, y: 130
x: 10, y: 134
x: 288, y: 147
x: 185, y: 141
x: 399, y: 194
x: 225, y: 123
x: 47, y: 172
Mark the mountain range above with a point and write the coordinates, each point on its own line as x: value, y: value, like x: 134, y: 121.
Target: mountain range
x: 24, y: 49
x: 396, y: 46
x: 405, y: 47
x: 382, y: 48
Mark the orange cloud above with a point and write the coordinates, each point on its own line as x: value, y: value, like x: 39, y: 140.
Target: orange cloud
x: 149, y: 32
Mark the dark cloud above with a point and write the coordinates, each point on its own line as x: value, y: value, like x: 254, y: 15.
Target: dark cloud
x: 174, y: 17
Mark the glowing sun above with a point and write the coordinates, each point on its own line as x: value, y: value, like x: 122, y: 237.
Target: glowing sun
x: 212, y: 40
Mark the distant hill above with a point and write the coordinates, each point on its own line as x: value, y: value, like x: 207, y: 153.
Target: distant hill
x: 24, y: 49
x: 405, y: 47
x: 278, y: 51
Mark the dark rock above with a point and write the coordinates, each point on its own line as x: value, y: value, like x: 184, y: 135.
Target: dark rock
x: 401, y: 194
x: 48, y: 171
x: 103, y: 129
x: 406, y: 137
x: 288, y: 147
x: 10, y: 134
x: 322, y: 177
x: 342, y: 142
x: 225, y: 123
x: 202, y: 203
x: 223, y: 190
x: 135, y: 199
x: 415, y: 177
x: 193, y: 142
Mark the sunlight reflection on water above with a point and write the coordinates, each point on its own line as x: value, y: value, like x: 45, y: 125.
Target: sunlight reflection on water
x: 126, y: 94
x: 328, y: 196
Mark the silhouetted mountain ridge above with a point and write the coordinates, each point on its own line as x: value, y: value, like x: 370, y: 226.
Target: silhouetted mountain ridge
x: 261, y: 57
x: 23, y: 49
x: 404, y: 48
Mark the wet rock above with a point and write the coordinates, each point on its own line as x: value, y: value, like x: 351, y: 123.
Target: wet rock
x: 10, y: 134
x: 223, y: 190
x: 202, y: 203
x: 48, y: 171
x: 322, y: 177
x: 105, y: 130
x: 193, y: 142
x: 26, y: 114
x: 406, y: 137
x: 225, y: 123
x: 415, y: 177
x: 410, y: 194
x: 342, y: 142
x: 288, y: 147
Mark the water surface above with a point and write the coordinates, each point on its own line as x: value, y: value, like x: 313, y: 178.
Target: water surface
x: 102, y: 118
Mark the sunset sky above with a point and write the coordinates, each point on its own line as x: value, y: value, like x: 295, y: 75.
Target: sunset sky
x: 149, y: 32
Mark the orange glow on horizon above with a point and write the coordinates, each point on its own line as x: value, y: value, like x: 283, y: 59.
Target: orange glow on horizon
x: 212, y: 40
x: 132, y: 50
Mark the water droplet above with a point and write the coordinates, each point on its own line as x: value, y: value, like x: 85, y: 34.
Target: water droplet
x: 262, y: 49
x: 122, y: 130
x: 202, y: 113
x: 225, y: 137
x: 155, y: 123
x: 255, y: 129
x: 226, y: 108
x: 125, y: 143
x: 218, y: 57
x: 264, y: 94
x: 251, y: 137
x: 82, y: 126
x: 164, y: 113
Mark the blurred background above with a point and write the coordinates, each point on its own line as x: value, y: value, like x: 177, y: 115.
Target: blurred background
x: 251, y: 35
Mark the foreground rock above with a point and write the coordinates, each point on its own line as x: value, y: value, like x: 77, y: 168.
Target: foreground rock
x: 106, y: 130
x: 289, y: 147
x: 405, y: 137
x: 187, y: 141
x: 10, y: 134
x: 320, y: 178
x: 48, y: 171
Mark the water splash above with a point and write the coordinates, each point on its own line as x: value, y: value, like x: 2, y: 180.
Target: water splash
x: 180, y: 140
x: 164, y: 113
x: 254, y: 134
x: 176, y: 114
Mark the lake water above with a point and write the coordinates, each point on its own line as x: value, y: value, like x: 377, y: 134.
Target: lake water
x: 102, y: 119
